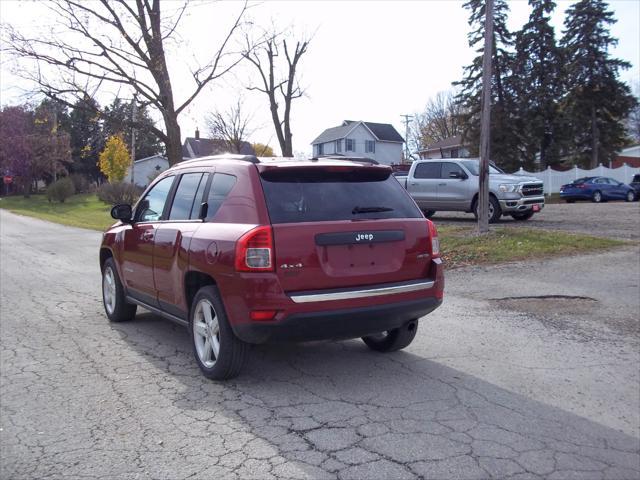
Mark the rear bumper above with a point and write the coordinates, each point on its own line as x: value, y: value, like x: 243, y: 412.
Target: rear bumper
x: 575, y: 195
x: 337, y: 324
x: 328, y: 314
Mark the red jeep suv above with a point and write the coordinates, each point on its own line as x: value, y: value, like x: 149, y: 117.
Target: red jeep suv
x: 244, y: 250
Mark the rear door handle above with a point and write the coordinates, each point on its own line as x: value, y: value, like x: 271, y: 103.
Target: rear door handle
x: 413, y: 184
x: 442, y: 184
x: 148, y: 235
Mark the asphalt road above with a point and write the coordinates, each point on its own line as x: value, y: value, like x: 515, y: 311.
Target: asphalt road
x: 493, y: 386
x: 609, y: 219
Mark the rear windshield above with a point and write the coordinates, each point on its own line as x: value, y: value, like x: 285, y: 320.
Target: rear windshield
x: 320, y: 195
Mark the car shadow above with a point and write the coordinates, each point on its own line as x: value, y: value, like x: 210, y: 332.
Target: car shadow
x: 312, y: 404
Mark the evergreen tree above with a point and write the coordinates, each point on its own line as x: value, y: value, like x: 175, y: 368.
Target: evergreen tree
x: 503, y: 139
x: 87, y: 138
x: 597, y: 102
x: 537, y: 86
x: 116, y: 117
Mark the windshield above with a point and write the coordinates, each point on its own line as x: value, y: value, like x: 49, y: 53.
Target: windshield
x: 474, y: 167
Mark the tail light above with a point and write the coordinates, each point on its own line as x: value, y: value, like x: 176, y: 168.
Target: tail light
x: 433, y: 235
x: 580, y: 185
x: 254, y: 251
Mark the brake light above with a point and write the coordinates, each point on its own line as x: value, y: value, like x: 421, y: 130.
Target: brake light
x: 580, y: 185
x: 433, y: 235
x: 254, y: 251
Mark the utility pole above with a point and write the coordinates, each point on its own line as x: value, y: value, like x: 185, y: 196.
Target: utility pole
x: 485, y: 123
x: 407, y: 121
x: 134, y: 112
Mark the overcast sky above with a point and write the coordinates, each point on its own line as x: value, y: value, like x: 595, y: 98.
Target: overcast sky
x: 372, y: 61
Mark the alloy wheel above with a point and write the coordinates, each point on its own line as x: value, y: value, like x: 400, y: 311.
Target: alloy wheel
x: 206, y: 333
x: 109, y: 290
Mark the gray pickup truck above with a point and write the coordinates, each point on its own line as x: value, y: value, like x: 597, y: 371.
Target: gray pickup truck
x: 451, y: 184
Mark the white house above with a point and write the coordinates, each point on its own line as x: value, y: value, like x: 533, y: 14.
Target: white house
x: 378, y: 141
x: 146, y: 168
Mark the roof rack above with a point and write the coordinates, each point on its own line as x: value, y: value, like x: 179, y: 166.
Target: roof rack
x: 224, y: 156
x: 343, y: 157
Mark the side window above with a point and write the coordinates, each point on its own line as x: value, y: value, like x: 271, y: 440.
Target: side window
x: 185, y: 196
x: 448, y: 168
x: 599, y: 180
x: 427, y: 170
x: 220, y: 188
x: 151, y: 207
x: 197, y: 202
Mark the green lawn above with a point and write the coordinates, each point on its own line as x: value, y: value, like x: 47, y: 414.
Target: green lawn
x: 83, y: 210
x: 460, y: 245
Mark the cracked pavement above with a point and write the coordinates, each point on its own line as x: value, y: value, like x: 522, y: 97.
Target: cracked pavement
x: 487, y: 389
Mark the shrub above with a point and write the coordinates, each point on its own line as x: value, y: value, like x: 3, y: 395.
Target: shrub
x: 120, y: 192
x: 61, y: 190
x: 81, y: 183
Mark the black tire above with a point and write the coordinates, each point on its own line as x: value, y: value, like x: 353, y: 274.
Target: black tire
x: 232, y: 352
x: 596, y: 197
x: 494, y: 215
x: 113, y: 297
x: 392, y: 340
x: 631, y: 196
x: 429, y: 213
x: 521, y: 217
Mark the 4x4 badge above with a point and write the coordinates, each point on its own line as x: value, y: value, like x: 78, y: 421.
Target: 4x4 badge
x: 285, y: 265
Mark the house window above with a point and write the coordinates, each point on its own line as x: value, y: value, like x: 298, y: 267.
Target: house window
x: 349, y: 145
x: 369, y: 146
x: 454, y: 153
x: 338, y: 146
x: 321, y: 149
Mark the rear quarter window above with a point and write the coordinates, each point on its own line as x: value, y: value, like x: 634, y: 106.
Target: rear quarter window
x: 316, y: 196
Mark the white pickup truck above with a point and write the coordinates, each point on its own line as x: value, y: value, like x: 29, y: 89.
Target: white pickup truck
x: 451, y: 184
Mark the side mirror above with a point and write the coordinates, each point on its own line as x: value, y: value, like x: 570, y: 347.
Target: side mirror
x: 459, y: 175
x: 122, y: 212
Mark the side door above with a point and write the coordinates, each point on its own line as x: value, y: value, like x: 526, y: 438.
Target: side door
x: 424, y: 184
x: 137, y: 252
x: 618, y: 189
x: 173, y: 236
x: 453, y: 187
x: 605, y: 188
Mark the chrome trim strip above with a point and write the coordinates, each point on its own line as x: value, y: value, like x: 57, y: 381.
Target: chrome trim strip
x: 370, y: 292
x: 162, y: 313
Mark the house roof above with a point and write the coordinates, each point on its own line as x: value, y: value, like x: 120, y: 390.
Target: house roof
x: 202, y: 147
x: 455, y: 141
x: 383, y: 132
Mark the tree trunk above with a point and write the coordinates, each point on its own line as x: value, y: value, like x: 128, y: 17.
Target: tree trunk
x: 594, y: 138
x: 173, y: 143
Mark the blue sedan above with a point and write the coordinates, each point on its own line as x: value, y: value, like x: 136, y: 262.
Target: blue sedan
x: 597, y: 189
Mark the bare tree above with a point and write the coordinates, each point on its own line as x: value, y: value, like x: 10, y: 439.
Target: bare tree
x: 440, y: 119
x: 232, y: 126
x: 121, y: 43
x: 265, y: 58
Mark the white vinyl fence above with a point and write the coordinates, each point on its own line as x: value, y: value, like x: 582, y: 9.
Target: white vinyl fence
x: 554, y: 179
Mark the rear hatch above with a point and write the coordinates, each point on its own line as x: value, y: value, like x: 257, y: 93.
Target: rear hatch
x: 338, y: 226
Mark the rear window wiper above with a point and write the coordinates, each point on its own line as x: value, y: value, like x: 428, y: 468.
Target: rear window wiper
x: 357, y: 210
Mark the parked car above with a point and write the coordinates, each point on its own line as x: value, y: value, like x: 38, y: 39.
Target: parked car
x: 451, y: 184
x: 596, y: 189
x: 244, y: 251
x: 635, y: 184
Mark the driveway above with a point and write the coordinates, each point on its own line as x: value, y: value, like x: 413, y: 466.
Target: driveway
x: 610, y: 219
x: 493, y: 386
